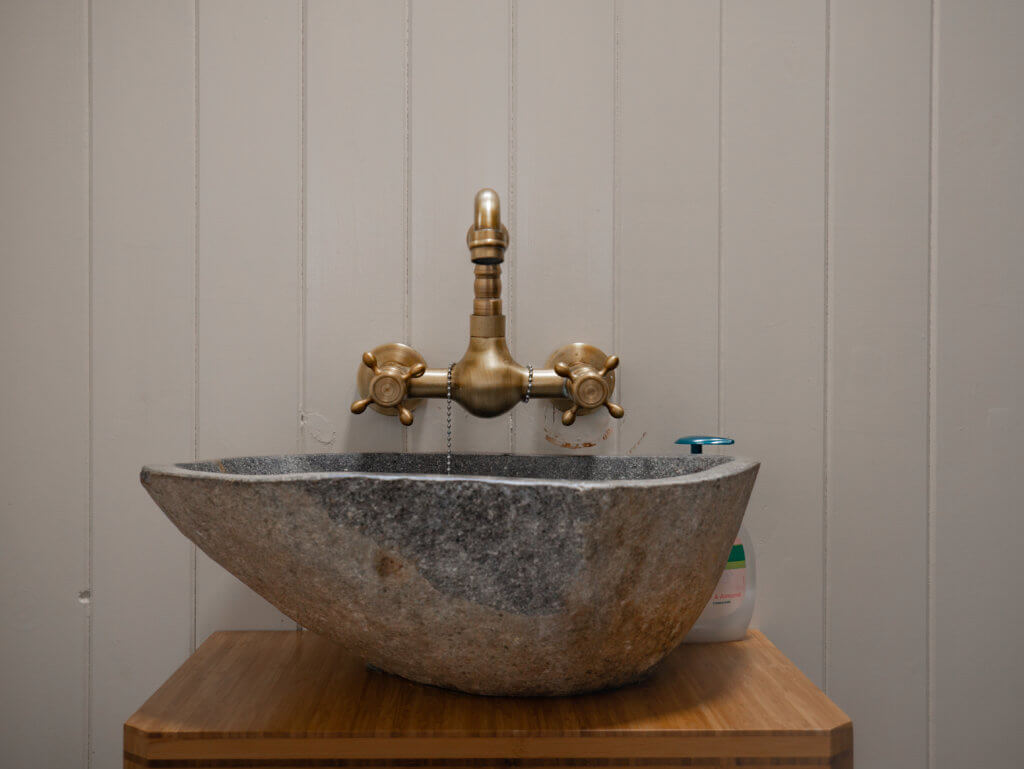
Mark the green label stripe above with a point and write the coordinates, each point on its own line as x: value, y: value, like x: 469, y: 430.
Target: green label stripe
x: 736, y: 565
x: 737, y: 554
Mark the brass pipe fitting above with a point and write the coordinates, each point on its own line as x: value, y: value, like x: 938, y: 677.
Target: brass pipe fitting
x: 487, y: 381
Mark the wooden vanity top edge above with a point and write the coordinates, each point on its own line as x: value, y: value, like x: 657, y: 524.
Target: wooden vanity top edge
x: 241, y: 687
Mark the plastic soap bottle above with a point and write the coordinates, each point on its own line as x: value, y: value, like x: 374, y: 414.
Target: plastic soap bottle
x: 728, y: 613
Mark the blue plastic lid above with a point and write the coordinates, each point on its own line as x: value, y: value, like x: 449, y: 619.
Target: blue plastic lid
x: 698, y: 442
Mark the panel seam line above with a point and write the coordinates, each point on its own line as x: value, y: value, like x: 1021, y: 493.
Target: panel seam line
x: 932, y: 380
x: 616, y: 192
x: 302, y: 237
x: 719, y: 299
x: 826, y: 448
x: 193, y: 553
x: 300, y: 427
x: 90, y: 464
x: 407, y: 184
x: 513, y: 13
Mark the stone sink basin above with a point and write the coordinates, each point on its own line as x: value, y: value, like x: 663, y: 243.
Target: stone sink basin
x: 514, y: 575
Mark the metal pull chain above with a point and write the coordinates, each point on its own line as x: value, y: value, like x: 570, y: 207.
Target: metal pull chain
x: 448, y: 406
x: 529, y: 384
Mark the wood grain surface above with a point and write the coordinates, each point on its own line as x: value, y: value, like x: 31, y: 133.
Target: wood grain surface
x: 266, y: 698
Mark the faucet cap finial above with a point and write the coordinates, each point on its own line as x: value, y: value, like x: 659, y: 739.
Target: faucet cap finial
x: 487, y: 209
x: 487, y: 237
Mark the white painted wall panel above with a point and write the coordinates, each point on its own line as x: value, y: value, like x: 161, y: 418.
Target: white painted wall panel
x: 977, y: 675
x: 877, y: 441
x: 249, y: 257
x: 773, y: 303
x: 44, y: 386
x: 667, y: 218
x: 458, y: 144
x: 356, y: 255
x: 143, y: 214
x: 564, y: 268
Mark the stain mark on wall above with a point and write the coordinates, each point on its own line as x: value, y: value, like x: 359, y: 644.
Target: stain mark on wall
x: 638, y: 442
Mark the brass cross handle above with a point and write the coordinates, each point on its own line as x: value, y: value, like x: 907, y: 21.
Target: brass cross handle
x: 588, y: 388
x: 389, y: 386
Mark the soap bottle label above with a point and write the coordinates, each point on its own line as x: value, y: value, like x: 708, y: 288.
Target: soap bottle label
x: 731, y: 587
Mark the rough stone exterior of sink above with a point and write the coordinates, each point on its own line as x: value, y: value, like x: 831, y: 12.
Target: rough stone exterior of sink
x: 515, y: 575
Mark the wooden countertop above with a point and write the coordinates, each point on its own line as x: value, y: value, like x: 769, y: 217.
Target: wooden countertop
x: 289, y: 699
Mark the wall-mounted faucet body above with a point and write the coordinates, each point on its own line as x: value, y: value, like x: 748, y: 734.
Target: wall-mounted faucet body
x: 487, y: 381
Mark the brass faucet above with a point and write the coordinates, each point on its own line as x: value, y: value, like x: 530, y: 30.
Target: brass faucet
x: 487, y: 381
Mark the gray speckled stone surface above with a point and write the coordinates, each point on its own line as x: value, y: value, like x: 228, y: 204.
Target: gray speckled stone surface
x: 517, y: 575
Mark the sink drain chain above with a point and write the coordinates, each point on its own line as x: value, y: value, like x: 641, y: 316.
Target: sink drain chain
x: 448, y: 405
x: 448, y: 412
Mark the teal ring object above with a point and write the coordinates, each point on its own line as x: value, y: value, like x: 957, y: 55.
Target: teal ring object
x: 698, y: 442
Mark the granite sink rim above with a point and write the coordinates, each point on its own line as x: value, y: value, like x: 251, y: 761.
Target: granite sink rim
x: 495, y: 584
x: 729, y: 466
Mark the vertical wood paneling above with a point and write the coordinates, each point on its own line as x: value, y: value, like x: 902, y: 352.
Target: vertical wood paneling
x: 44, y: 389
x: 459, y: 143
x: 773, y: 279
x: 356, y: 244
x: 877, y: 454
x: 664, y: 192
x: 977, y: 676
x: 667, y: 210
x: 143, y: 349
x: 249, y: 215
x: 564, y: 175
